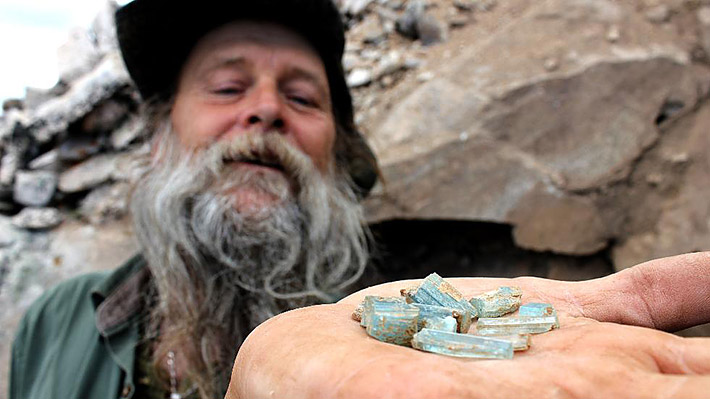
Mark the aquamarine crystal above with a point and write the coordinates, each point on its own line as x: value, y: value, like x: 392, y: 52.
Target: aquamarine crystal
x: 539, y: 309
x: 434, y: 290
x: 462, y: 345
x: 391, y: 322
x: 364, y: 310
x: 438, y: 323
x: 463, y: 319
x: 515, y: 325
x: 521, y: 342
x: 497, y: 303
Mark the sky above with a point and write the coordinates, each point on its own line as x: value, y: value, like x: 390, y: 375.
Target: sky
x: 31, y: 31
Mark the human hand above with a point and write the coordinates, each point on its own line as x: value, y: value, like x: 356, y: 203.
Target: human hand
x: 320, y: 352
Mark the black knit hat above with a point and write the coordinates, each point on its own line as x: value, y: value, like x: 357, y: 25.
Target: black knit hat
x: 156, y: 37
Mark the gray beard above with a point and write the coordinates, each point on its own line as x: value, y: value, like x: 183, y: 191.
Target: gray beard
x: 219, y: 269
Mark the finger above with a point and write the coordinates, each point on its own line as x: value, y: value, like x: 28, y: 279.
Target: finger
x: 669, y: 294
x: 676, y: 355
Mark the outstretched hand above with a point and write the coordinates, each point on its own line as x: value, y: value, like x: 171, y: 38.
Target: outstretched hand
x: 320, y: 352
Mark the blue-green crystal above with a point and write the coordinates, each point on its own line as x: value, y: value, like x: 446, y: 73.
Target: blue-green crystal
x: 434, y: 290
x: 521, y: 342
x: 515, y: 325
x: 497, y: 303
x: 391, y: 322
x: 462, y: 345
x: 367, y: 306
x: 439, y: 323
x: 539, y: 309
x: 463, y: 318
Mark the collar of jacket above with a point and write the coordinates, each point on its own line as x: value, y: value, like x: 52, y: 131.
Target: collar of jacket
x: 119, y: 298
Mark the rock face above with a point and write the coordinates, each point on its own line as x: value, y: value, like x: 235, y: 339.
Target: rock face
x: 554, y: 152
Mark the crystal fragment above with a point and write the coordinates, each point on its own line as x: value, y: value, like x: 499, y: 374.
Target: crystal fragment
x: 367, y: 304
x: 463, y: 319
x: 391, y: 322
x: 357, y: 313
x: 521, y: 342
x: 515, y: 325
x: 497, y: 303
x: 462, y: 345
x: 434, y: 290
x: 439, y: 323
x: 539, y: 309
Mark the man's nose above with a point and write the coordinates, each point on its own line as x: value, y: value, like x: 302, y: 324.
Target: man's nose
x: 264, y: 109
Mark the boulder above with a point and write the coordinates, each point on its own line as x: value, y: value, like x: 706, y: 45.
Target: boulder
x: 506, y: 140
x: 37, y: 218
x: 106, y: 203
x: 47, y: 161
x: 77, y: 56
x: 34, y: 188
x: 88, y: 174
x: 55, y: 115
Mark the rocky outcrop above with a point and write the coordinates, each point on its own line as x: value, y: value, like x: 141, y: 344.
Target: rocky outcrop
x: 500, y: 136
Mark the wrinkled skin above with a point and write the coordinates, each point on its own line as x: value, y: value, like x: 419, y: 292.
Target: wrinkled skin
x: 609, y: 345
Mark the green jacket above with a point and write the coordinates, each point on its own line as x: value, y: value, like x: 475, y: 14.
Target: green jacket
x: 78, y: 340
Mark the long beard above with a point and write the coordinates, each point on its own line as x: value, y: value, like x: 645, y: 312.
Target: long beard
x: 221, y: 265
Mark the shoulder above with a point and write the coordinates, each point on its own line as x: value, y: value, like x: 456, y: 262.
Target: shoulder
x: 59, y: 303
x: 77, y: 296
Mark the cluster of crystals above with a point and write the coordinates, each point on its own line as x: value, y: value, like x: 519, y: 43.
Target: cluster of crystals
x: 435, y: 317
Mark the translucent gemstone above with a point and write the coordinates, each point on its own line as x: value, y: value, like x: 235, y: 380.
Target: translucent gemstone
x: 497, y: 303
x: 539, y: 309
x: 434, y: 290
x: 521, y: 342
x: 369, y: 301
x: 515, y: 325
x: 462, y: 345
x: 439, y: 323
x: 463, y: 318
x: 392, y: 322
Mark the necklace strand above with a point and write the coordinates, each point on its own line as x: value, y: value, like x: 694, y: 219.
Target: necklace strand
x: 174, y: 394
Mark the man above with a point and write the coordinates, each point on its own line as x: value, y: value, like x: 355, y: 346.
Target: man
x: 250, y: 206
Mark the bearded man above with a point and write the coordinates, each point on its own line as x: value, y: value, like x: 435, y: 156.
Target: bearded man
x: 250, y: 206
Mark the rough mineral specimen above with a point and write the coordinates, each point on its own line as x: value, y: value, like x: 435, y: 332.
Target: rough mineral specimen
x: 521, y: 342
x: 539, y: 309
x: 443, y: 316
x: 366, y: 307
x: 391, y: 322
x: 497, y: 303
x: 462, y: 345
x: 448, y: 323
x: 515, y: 325
x: 435, y: 291
x: 463, y: 319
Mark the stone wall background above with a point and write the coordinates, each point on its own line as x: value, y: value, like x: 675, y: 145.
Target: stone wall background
x: 557, y: 138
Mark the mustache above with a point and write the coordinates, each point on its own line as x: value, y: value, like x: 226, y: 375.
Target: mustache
x: 269, y: 149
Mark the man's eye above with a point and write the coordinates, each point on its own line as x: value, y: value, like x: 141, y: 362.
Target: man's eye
x: 228, y: 91
x: 302, y: 100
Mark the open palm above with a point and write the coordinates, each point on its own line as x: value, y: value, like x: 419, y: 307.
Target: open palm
x: 320, y: 352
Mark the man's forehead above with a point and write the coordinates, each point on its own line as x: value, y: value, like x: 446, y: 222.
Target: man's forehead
x: 256, y: 34
x: 228, y: 46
